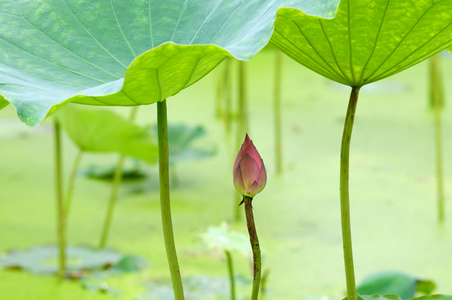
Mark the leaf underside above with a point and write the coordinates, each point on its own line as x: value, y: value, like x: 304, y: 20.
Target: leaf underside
x: 124, y: 52
x: 368, y: 40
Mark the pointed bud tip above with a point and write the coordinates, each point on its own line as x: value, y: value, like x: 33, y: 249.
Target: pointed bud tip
x: 249, y: 172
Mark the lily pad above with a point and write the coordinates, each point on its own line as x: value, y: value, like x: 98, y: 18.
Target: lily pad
x: 44, y: 260
x: 367, y: 40
x: 392, y: 282
x: 103, y: 131
x: 107, y: 173
x: 124, y: 52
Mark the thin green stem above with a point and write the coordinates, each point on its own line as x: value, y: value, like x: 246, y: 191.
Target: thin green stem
x: 61, y: 222
x: 277, y: 111
x: 230, y: 273
x: 263, y: 287
x: 218, y: 95
x: 242, y: 120
x: 223, y: 91
x: 436, y: 100
x: 344, y: 195
x: 162, y: 125
x: 227, y: 96
x: 117, y: 178
x: 226, y: 116
x: 242, y: 123
x: 71, y: 182
x: 436, y: 88
x: 439, y: 165
x: 257, y: 263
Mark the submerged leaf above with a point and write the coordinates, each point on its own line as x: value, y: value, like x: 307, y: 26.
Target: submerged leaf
x: 124, y: 52
x: 368, y: 40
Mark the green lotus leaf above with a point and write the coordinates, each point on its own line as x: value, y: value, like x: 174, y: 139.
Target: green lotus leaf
x: 103, y: 131
x: 131, y: 172
x: 367, y: 40
x: 44, y: 259
x: 3, y: 102
x: 181, y: 143
x: 394, y: 282
x: 124, y: 52
x: 434, y: 297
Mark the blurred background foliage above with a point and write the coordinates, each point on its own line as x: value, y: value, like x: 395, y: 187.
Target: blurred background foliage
x: 393, y: 191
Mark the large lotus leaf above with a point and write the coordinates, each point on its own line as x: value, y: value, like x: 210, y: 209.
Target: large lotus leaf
x: 104, y: 131
x: 368, y: 40
x: 124, y: 52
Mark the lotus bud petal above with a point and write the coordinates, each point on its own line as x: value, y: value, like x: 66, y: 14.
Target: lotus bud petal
x: 249, y: 172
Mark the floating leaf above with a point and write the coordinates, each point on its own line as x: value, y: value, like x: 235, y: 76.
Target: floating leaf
x: 367, y: 40
x: 397, y: 283
x: 425, y: 287
x: 107, y: 173
x: 44, y: 260
x: 392, y: 282
x: 104, y: 131
x: 124, y: 52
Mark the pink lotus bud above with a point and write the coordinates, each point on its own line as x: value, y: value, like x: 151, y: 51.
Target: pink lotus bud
x: 249, y: 172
